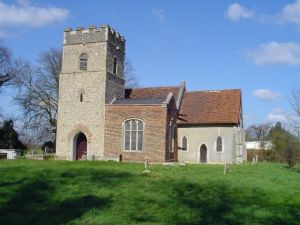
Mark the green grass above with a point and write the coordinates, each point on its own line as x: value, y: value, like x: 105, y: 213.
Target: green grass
x: 58, y: 192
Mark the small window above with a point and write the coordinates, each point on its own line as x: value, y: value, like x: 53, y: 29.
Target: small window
x: 133, y: 135
x: 171, y: 135
x: 81, y: 97
x: 83, y: 61
x: 219, y: 146
x: 184, y: 144
x: 115, y: 65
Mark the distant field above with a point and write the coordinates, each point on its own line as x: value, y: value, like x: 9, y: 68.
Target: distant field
x: 59, y: 192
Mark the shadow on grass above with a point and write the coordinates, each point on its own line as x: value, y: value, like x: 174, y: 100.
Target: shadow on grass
x: 103, y: 178
x: 33, y: 202
x: 11, y: 183
x: 215, y: 203
x: 32, y: 205
x: 219, y: 203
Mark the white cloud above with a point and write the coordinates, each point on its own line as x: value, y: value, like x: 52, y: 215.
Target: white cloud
x: 277, y: 115
x: 27, y: 15
x: 159, y: 14
x: 236, y: 12
x: 266, y: 94
x: 291, y: 13
x: 275, y: 53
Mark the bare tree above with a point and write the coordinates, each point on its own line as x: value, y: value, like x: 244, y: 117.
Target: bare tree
x: 131, y: 79
x: 38, y: 89
x: 5, y: 65
x: 9, y: 67
x: 295, y: 101
x: 258, y: 131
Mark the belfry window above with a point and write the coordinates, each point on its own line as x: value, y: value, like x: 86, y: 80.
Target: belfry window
x: 133, y: 135
x: 83, y: 58
x: 115, y: 65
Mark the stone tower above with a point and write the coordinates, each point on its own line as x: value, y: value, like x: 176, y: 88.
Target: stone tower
x: 91, y: 76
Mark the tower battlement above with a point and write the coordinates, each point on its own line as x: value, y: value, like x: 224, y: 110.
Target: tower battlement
x: 93, y: 34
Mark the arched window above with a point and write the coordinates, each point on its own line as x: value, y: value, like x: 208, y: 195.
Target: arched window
x: 115, y: 65
x: 219, y: 146
x: 81, y: 97
x: 83, y: 61
x: 184, y: 144
x: 133, y: 135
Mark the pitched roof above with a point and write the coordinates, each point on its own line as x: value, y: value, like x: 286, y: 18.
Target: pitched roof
x: 152, y: 92
x: 139, y: 101
x: 211, y: 107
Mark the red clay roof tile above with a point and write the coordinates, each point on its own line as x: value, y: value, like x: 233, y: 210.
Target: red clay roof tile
x: 152, y: 92
x: 211, y: 107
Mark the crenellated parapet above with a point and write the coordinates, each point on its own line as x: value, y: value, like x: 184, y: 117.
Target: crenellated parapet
x: 93, y: 34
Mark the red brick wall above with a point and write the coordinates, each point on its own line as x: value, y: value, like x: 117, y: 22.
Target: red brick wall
x: 171, y: 114
x: 155, y: 121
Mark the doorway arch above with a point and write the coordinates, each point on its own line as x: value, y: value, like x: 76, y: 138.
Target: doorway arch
x: 80, y: 143
x: 203, y: 153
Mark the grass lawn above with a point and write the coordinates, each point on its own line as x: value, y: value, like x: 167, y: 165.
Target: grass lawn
x: 60, y: 192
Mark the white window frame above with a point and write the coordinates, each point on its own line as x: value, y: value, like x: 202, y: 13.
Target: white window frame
x: 130, y: 135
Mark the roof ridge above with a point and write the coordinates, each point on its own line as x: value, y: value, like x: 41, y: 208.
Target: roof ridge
x: 222, y: 90
x: 153, y: 87
x: 140, y: 98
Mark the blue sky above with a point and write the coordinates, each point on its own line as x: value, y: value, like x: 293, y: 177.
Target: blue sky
x: 212, y: 44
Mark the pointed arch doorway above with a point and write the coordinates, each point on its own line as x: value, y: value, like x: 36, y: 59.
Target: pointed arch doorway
x: 81, y: 146
x: 203, y: 154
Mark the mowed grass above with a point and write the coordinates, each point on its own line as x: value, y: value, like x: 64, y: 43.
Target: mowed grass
x: 60, y: 192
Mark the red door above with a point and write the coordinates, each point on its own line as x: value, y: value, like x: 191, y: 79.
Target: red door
x: 81, y: 146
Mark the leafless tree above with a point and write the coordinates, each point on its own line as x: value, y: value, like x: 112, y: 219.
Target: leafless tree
x: 37, y: 96
x: 294, y: 101
x: 5, y: 64
x: 9, y: 67
x: 131, y: 79
x: 259, y: 131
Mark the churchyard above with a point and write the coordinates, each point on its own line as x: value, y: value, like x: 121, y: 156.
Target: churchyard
x: 92, y: 192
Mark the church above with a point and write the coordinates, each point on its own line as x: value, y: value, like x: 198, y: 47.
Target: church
x: 98, y: 119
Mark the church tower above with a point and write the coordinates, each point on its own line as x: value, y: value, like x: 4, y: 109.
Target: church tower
x: 92, y: 75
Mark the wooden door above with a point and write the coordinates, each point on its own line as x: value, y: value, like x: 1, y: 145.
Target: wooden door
x: 81, y: 147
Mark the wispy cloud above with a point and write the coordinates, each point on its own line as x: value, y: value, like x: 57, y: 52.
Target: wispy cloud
x: 28, y: 15
x: 159, y: 14
x: 25, y: 15
x: 23, y: 2
x: 266, y: 94
x: 275, y: 53
x: 288, y: 14
x: 236, y: 12
x: 277, y: 115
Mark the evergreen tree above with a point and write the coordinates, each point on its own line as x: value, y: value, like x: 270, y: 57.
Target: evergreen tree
x: 9, y: 137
